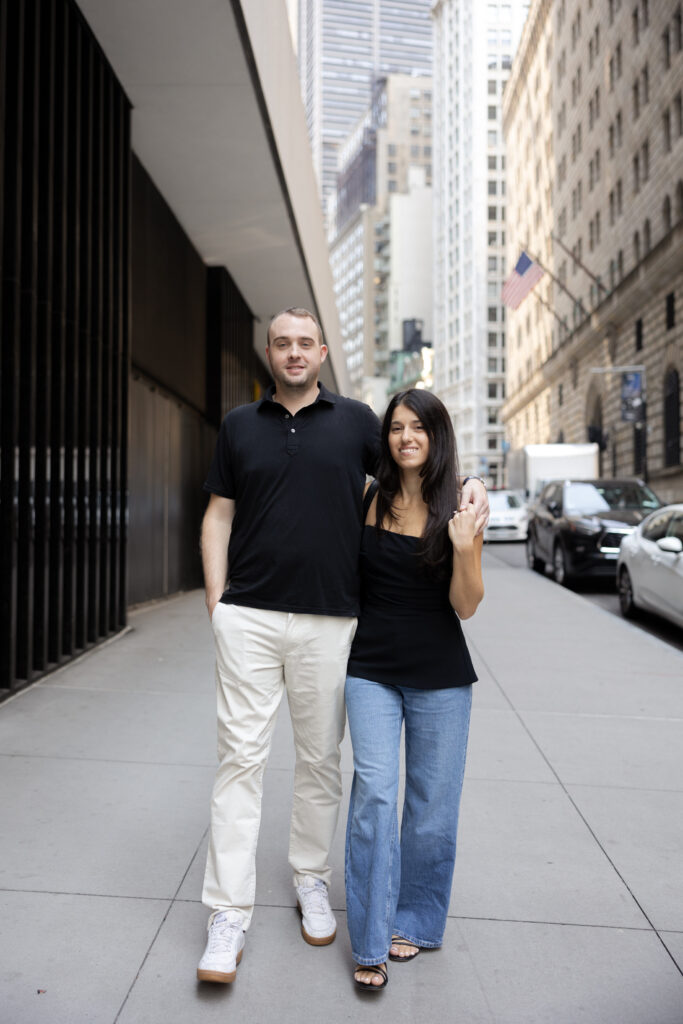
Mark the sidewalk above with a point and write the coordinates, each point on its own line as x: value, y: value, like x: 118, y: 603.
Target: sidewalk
x: 568, y: 897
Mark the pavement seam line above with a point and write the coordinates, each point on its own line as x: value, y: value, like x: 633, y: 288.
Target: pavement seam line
x: 161, y: 925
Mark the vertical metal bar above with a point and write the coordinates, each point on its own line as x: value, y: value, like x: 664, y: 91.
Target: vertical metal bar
x: 43, y: 335
x: 73, y: 183
x: 125, y: 307
x: 27, y: 332
x: 57, y: 342
x: 94, y: 334
x: 84, y: 343
x: 107, y: 220
x: 13, y: 70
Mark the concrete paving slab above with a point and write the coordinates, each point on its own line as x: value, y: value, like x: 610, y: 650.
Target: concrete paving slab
x: 71, y: 959
x: 486, y: 692
x: 548, y: 974
x: 307, y: 984
x: 642, y: 832
x: 96, y: 827
x: 500, y: 748
x: 129, y: 669
x: 524, y: 854
x: 606, y: 750
x: 59, y: 722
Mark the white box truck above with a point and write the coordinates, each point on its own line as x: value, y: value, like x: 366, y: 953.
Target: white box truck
x: 531, y: 467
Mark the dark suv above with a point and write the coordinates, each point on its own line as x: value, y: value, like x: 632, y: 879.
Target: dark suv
x: 577, y: 526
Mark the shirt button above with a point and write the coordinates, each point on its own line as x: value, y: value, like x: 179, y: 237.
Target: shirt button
x: 286, y: 415
x: 293, y: 430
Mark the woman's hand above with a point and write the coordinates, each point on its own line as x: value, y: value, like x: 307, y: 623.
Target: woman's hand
x: 474, y: 494
x: 462, y: 527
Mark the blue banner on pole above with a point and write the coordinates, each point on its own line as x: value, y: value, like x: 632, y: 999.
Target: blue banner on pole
x: 632, y: 397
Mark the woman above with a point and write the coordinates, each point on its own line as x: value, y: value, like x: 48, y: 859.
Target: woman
x: 421, y: 573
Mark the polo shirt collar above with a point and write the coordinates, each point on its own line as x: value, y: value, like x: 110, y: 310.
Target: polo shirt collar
x: 323, y: 396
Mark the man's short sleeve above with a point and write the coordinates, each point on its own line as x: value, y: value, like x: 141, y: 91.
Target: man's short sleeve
x: 372, y: 443
x: 220, y: 480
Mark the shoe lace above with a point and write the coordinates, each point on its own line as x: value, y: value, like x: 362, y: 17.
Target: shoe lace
x: 315, y: 898
x: 223, y: 935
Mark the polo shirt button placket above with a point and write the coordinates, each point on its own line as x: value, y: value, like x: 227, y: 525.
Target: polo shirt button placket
x: 292, y: 446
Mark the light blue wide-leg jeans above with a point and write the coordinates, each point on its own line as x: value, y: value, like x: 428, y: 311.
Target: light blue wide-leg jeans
x: 391, y: 887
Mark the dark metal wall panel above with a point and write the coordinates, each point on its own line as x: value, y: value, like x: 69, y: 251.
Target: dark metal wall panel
x: 64, y: 216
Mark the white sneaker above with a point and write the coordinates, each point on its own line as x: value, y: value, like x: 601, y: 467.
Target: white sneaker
x: 224, y: 947
x: 318, y: 924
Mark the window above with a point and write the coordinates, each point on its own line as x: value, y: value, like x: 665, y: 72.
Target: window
x: 492, y: 314
x: 678, y: 30
x: 657, y: 526
x: 639, y: 335
x: 672, y: 418
x: 645, y: 160
x: 635, y: 21
x: 647, y: 236
x: 666, y: 49
x: 493, y: 213
x: 645, y: 11
x: 492, y: 138
x: 678, y: 111
x: 636, y: 246
x: 670, y: 311
x: 492, y: 162
x: 492, y: 87
x: 636, y: 173
x: 391, y: 149
x: 391, y: 168
x: 392, y: 185
x: 636, y: 99
x: 645, y: 83
x: 666, y: 214
x: 666, y: 129
x: 493, y: 340
x: 493, y: 391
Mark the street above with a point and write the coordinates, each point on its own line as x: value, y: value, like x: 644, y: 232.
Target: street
x: 598, y: 592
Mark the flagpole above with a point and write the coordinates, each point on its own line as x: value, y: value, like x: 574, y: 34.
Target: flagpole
x: 577, y: 302
x: 579, y: 263
x: 552, y: 310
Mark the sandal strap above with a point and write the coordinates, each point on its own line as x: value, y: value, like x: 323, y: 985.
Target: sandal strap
x: 396, y: 940
x: 375, y: 968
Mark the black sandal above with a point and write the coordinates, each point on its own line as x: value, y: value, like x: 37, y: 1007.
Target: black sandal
x: 376, y: 969
x: 396, y: 940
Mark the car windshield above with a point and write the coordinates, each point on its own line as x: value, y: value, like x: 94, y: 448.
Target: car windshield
x: 501, y: 500
x: 586, y: 499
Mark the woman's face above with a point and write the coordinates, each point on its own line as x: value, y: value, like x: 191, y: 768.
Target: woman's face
x: 408, y: 440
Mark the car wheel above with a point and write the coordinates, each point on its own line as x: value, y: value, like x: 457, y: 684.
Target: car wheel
x: 625, y: 588
x: 532, y: 560
x: 560, y: 574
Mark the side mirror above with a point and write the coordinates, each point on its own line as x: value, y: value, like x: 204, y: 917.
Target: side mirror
x: 672, y: 545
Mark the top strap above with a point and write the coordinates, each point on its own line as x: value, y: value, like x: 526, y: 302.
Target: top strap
x: 367, y: 500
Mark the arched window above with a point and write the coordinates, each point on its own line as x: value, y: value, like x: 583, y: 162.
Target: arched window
x: 666, y: 214
x: 672, y: 418
x: 647, y: 237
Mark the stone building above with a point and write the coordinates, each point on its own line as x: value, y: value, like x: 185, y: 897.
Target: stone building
x: 593, y: 119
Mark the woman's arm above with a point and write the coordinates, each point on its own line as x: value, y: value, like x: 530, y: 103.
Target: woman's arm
x: 467, y: 587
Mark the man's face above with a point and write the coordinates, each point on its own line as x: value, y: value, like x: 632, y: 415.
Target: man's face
x: 295, y: 354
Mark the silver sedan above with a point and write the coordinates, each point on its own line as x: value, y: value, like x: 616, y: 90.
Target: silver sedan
x: 650, y: 566
x: 508, y: 517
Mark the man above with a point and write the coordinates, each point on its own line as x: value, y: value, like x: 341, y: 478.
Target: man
x: 285, y: 515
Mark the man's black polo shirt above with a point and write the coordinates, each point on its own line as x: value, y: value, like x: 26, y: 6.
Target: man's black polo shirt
x: 297, y: 482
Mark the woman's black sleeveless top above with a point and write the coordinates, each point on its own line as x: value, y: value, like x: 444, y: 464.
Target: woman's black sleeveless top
x: 408, y: 633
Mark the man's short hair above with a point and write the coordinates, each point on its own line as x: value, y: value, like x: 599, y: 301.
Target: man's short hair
x: 303, y: 314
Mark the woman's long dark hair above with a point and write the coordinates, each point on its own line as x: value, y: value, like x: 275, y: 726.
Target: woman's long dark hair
x: 440, y: 473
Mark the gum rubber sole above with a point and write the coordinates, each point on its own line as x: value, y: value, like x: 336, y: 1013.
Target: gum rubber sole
x: 220, y: 977
x: 313, y: 940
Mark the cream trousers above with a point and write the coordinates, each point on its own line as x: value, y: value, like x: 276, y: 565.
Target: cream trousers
x: 259, y: 655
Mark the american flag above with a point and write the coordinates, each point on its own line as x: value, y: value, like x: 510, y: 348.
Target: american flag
x: 523, y: 278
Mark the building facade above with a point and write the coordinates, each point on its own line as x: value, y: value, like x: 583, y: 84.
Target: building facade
x: 380, y: 244
x: 594, y: 126
x: 474, y: 45
x: 343, y: 47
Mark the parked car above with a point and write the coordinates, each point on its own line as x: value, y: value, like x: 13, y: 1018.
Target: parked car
x: 650, y: 566
x: 576, y: 527
x: 508, y: 516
